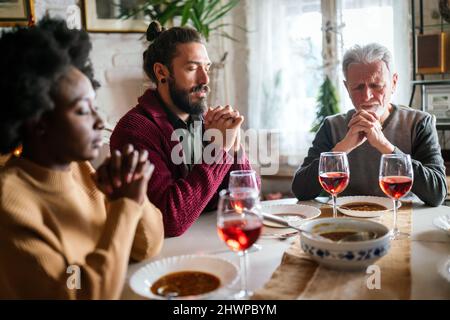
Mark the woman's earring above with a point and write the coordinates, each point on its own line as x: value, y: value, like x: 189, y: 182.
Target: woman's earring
x: 163, y: 80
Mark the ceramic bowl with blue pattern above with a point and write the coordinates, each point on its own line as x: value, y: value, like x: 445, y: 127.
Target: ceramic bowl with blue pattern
x: 355, y: 255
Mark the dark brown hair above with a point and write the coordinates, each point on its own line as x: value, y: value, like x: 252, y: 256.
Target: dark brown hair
x: 163, y: 46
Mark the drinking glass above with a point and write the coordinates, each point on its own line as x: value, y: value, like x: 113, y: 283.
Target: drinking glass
x: 239, y: 225
x: 334, y: 174
x: 396, y: 180
x: 243, y: 181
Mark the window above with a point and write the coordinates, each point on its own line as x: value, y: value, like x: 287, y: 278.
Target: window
x: 365, y: 21
x: 285, y: 69
x: 286, y: 62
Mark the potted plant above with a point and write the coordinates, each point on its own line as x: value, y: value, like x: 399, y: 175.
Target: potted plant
x: 327, y: 103
x: 203, y: 15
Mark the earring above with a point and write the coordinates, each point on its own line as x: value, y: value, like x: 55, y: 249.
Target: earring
x: 163, y: 80
x: 18, y: 151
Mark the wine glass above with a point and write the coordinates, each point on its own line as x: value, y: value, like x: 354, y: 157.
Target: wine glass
x: 243, y: 181
x: 239, y: 225
x: 334, y: 174
x: 396, y: 179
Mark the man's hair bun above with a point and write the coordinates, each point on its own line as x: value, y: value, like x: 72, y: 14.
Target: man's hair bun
x: 154, y: 30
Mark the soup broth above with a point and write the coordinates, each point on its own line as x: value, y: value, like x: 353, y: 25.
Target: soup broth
x: 185, y: 283
x: 337, y: 235
x: 364, y: 206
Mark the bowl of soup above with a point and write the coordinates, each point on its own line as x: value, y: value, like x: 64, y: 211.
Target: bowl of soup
x: 327, y: 242
x: 187, y: 277
x: 364, y: 206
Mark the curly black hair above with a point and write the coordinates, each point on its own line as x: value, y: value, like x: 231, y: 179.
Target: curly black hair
x: 31, y: 62
x: 75, y: 42
x: 163, y: 46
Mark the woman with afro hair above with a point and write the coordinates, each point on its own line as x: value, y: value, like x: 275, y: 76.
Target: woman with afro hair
x: 66, y: 231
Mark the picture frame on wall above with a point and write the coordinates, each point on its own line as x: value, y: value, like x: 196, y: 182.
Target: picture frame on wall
x: 104, y: 16
x: 437, y: 103
x: 15, y: 13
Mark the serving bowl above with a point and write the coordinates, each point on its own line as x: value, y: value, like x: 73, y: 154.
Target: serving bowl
x: 142, y: 280
x: 355, y: 255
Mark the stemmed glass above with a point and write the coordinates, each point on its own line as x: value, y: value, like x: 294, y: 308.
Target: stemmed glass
x: 396, y: 180
x: 239, y: 225
x: 334, y: 174
x: 243, y: 181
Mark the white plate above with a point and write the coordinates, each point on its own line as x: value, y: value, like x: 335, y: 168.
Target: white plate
x: 386, y: 202
x: 444, y: 269
x: 443, y: 223
x: 142, y: 280
x: 296, y: 214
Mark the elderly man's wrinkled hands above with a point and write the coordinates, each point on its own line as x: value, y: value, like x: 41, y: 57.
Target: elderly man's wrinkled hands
x: 225, y: 119
x: 374, y: 133
x: 365, y: 126
x: 355, y: 136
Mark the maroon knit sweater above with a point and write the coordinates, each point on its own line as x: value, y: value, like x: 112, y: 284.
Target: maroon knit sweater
x: 180, y: 195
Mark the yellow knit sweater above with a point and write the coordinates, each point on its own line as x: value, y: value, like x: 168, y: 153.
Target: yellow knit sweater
x: 61, y: 238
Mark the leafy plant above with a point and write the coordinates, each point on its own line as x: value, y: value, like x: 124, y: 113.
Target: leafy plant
x: 327, y: 103
x: 203, y: 15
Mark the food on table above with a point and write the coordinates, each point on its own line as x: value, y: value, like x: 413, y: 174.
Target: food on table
x: 363, y: 206
x: 337, y: 235
x: 185, y: 283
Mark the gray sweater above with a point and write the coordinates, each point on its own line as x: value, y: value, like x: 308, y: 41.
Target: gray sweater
x: 410, y: 131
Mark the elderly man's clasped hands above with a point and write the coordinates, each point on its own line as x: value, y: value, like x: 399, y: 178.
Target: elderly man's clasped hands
x: 365, y: 126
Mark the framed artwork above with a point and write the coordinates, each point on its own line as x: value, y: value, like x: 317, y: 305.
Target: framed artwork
x: 104, y: 16
x: 437, y: 102
x: 16, y: 13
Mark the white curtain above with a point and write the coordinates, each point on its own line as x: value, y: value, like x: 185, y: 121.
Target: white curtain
x: 279, y: 88
x: 268, y: 57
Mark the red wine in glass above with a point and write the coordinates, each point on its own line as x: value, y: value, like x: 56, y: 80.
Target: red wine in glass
x: 396, y: 186
x: 334, y: 182
x: 396, y: 180
x: 334, y: 174
x: 240, y: 234
x: 239, y: 225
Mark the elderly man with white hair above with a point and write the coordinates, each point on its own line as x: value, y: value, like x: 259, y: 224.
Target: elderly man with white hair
x: 375, y: 127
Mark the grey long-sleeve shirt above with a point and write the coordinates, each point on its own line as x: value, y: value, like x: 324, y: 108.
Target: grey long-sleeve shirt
x: 410, y: 131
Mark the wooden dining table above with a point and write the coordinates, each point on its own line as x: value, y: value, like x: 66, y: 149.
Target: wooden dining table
x: 430, y: 247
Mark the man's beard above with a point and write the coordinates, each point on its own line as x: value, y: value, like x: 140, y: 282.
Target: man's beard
x: 182, y: 100
x: 378, y: 109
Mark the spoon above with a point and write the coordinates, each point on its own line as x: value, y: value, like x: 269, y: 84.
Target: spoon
x: 357, y: 236
x: 274, y: 218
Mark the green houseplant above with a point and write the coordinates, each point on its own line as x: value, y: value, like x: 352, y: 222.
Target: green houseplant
x: 203, y: 15
x: 327, y: 103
